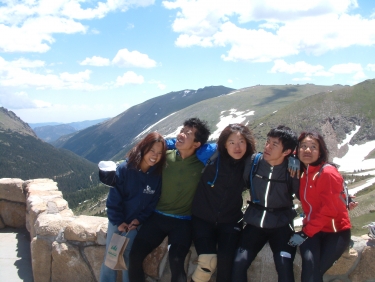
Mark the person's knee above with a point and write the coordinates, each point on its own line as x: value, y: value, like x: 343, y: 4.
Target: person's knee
x: 206, y: 267
x: 177, y: 254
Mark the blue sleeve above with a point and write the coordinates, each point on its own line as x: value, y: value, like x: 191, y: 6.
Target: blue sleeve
x: 115, y: 199
x: 206, y: 151
x: 171, y: 143
x: 146, y: 213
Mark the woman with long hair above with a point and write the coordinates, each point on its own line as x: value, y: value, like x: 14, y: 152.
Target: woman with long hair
x: 216, y: 208
x: 135, y: 195
x: 326, y: 227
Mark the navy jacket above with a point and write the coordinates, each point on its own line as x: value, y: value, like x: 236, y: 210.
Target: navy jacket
x: 135, y: 195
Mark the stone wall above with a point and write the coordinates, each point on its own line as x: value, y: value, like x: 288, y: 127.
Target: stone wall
x: 65, y: 247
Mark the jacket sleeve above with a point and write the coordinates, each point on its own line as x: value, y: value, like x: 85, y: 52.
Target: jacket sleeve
x: 115, y: 210
x: 171, y: 143
x: 329, y: 186
x: 295, y: 187
x: 147, y: 211
x: 205, y: 151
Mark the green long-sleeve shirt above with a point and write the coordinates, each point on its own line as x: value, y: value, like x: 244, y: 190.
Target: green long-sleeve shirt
x: 180, y: 180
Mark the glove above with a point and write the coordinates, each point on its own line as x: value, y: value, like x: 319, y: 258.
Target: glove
x: 297, y: 239
x: 293, y: 166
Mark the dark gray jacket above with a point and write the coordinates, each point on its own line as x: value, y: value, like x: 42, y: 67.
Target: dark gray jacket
x: 275, y: 206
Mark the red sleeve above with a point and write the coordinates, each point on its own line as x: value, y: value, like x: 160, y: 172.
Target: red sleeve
x: 329, y: 186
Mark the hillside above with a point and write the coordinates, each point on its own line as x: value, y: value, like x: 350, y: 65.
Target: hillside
x: 334, y: 114
x: 244, y: 105
x: 25, y: 156
x: 103, y: 141
x: 50, y: 133
x: 9, y: 121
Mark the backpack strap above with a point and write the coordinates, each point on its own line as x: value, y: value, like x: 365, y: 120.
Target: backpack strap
x: 253, y: 171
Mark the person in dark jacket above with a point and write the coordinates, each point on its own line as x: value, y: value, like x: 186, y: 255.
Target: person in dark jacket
x: 326, y: 227
x: 269, y: 216
x: 135, y: 195
x: 216, y: 207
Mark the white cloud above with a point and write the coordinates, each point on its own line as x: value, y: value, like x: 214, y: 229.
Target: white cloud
x: 21, y: 100
x: 125, y: 58
x: 346, y: 68
x: 17, y: 73
x: 129, y: 77
x: 35, y: 22
x: 312, y: 27
x: 302, y: 79
x: 230, y: 81
x: 280, y: 66
x: 95, y: 61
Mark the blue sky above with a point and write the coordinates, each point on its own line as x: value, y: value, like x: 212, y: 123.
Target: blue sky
x: 75, y: 60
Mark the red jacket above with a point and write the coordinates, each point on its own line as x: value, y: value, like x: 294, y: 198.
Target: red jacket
x: 321, y: 203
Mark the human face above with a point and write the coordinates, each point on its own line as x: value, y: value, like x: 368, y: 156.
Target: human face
x: 152, y: 157
x: 185, y: 139
x: 308, y: 151
x: 273, y: 151
x: 236, y: 145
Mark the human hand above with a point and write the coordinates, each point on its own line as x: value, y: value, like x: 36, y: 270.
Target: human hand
x: 294, y: 166
x: 133, y: 225
x: 123, y: 227
x: 352, y: 204
x: 297, y: 239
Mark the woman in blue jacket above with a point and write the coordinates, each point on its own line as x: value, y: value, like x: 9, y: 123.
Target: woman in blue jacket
x: 135, y: 195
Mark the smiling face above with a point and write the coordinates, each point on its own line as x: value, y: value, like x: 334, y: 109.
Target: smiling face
x: 308, y: 151
x: 152, y: 157
x: 185, y: 140
x: 273, y: 152
x: 236, y: 145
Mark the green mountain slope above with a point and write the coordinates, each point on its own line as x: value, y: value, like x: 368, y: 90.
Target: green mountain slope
x: 334, y: 114
x: 23, y: 155
x: 245, y: 105
x: 103, y: 141
x: 9, y: 121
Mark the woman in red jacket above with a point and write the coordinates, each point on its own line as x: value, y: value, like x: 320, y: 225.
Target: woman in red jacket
x: 326, y: 227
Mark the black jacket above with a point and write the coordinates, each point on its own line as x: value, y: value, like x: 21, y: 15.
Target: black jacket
x: 275, y: 206
x: 221, y: 203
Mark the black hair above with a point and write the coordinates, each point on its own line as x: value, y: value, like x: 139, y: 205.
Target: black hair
x: 136, y: 154
x: 287, y: 137
x: 244, y: 131
x: 202, y: 131
x: 323, y: 151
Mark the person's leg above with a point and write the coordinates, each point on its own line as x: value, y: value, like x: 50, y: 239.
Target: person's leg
x: 310, y: 254
x: 283, y: 254
x: 179, y: 239
x: 333, y: 246
x: 252, y: 241
x: 131, y: 235
x: 205, y: 241
x: 148, y: 238
x: 229, y: 235
x: 107, y: 274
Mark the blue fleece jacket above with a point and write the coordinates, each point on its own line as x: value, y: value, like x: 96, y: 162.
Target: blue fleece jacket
x: 203, y: 153
x: 135, y: 195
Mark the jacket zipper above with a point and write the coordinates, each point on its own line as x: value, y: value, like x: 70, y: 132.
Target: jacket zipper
x: 307, y: 181
x: 266, y: 197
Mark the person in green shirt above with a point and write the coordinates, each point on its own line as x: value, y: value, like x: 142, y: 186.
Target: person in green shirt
x: 172, y: 216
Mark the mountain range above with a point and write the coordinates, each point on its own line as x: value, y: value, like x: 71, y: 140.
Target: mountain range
x: 333, y: 110
x: 50, y: 132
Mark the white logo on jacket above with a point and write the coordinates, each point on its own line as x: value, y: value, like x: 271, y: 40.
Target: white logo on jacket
x: 148, y: 190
